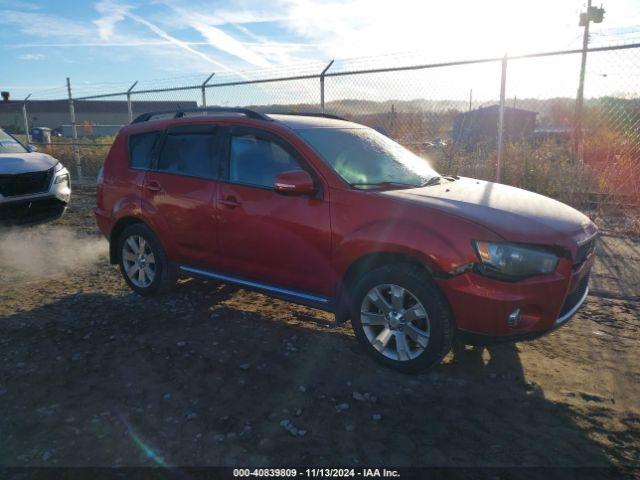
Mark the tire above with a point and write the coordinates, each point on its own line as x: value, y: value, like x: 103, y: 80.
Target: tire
x: 157, y: 273
x: 413, y: 330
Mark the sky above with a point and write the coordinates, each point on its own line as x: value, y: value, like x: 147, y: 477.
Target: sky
x: 108, y: 44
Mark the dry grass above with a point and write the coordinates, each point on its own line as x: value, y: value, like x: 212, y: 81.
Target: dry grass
x: 92, y: 154
x: 605, y: 185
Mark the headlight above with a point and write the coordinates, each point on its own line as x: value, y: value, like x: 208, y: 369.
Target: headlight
x: 508, y: 261
x: 62, y: 178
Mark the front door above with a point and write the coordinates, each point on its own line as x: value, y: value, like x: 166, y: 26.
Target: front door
x: 266, y: 236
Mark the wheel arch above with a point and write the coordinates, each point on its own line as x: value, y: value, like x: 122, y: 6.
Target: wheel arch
x: 366, y: 263
x: 115, y: 233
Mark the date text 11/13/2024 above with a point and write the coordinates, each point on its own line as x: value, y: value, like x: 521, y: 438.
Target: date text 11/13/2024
x: 316, y: 472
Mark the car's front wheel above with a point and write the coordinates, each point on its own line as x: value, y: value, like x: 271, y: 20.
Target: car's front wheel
x: 401, y: 318
x: 143, y: 262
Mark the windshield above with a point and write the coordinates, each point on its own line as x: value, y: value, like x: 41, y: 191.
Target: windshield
x: 8, y: 144
x: 367, y: 159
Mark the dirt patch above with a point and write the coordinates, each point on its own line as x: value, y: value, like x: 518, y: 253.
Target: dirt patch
x: 616, y: 274
x: 92, y: 374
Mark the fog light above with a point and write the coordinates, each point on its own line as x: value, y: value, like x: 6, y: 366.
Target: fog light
x: 514, y: 318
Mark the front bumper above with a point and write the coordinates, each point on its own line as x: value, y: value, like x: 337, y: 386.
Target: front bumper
x: 31, y: 212
x: 481, y: 306
x: 39, y: 207
x: 472, y: 338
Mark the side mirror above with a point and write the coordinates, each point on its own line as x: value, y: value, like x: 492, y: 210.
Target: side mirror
x: 294, y: 182
x: 32, y: 148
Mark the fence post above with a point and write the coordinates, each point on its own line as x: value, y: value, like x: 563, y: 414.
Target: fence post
x: 503, y: 84
x: 577, y: 133
x: 322, y: 85
x: 204, y: 92
x: 129, y: 107
x: 25, y: 119
x: 74, y: 133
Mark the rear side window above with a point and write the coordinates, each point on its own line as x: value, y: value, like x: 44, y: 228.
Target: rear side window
x: 188, y: 154
x: 141, y: 149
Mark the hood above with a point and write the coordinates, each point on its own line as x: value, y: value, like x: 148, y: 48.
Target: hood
x: 12, y: 163
x: 514, y: 214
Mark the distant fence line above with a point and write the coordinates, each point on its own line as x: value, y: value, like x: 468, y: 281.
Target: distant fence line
x: 427, y: 125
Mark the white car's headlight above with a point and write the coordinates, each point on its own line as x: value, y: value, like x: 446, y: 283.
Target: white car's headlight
x: 510, y: 261
x: 60, y: 177
x: 64, y: 178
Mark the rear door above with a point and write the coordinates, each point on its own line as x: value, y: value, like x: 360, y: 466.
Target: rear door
x: 267, y: 236
x: 182, y: 188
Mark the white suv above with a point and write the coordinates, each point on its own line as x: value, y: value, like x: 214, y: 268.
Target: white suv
x: 34, y: 187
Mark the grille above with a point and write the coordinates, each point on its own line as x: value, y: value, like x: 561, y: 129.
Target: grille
x: 30, y: 211
x: 585, y: 249
x: 25, y: 183
x: 574, y: 297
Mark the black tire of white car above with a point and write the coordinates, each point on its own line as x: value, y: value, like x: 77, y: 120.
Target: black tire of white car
x: 421, y: 288
x: 164, y: 275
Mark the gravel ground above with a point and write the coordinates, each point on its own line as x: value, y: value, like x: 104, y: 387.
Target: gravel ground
x: 92, y: 374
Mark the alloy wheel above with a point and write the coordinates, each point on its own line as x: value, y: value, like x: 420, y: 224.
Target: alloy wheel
x: 139, y: 261
x: 395, y: 322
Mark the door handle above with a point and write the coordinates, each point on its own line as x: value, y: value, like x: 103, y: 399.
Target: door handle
x: 230, y: 202
x: 153, y: 186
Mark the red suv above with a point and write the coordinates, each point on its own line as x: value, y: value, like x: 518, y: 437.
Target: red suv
x: 334, y: 215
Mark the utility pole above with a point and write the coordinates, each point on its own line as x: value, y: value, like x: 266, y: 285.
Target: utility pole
x: 596, y: 15
x: 470, y: 98
x: 74, y: 132
x: 503, y: 86
x: 25, y: 119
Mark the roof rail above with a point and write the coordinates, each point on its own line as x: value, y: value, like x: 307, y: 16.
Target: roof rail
x: 145, y: 117
x: 311, y: 114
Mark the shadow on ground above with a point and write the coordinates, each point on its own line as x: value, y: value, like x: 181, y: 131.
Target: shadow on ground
x: 190, y: 379
x: 616, y: 273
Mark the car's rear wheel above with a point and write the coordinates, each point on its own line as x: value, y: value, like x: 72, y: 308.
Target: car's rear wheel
x: 143, y: 261
x: 401, y: 318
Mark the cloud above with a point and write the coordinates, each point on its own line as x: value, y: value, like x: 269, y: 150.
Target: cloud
x: 178, y: 43
x: 452, y: 30
x: 125, y: 43
x: 220, y: 40
x: 112, y: 13
x: 43, y: 25
x: 210, y: 21
x: 115, y: 27
x: 31, y: 56
x: 244, y: 12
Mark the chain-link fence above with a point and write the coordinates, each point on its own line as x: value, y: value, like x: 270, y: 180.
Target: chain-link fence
x: 512, y: 119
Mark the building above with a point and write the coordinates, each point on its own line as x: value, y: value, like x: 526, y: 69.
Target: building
x: 90, y: 114
x: 481, y: 125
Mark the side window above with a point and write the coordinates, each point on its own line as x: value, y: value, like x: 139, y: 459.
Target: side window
x: 188, y: 154
x: 257, y: 161
x: 141, y: 149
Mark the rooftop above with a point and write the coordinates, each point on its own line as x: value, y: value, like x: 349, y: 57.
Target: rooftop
x: 297, y: 122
